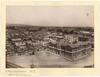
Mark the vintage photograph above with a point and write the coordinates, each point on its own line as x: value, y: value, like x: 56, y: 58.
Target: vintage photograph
x: 50, y: 36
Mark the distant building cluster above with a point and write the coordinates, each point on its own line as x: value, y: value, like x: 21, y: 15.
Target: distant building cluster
x: 71, y: 43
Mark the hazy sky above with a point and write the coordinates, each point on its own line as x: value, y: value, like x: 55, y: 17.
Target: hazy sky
x: 52, y: 16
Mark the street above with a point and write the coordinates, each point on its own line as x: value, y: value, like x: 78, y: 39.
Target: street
x: 47, y: 59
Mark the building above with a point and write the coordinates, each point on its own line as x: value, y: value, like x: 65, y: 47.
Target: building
x: 71, y: 48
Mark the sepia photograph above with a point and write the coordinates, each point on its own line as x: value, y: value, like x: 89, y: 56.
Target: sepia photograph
x: 50, y: 36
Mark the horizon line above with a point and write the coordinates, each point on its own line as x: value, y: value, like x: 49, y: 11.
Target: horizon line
x: 46, y: 25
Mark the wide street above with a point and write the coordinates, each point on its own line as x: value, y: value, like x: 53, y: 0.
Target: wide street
x: 48, y: 59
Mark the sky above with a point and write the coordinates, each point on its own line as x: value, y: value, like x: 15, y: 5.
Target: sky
x: 51, y: 15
